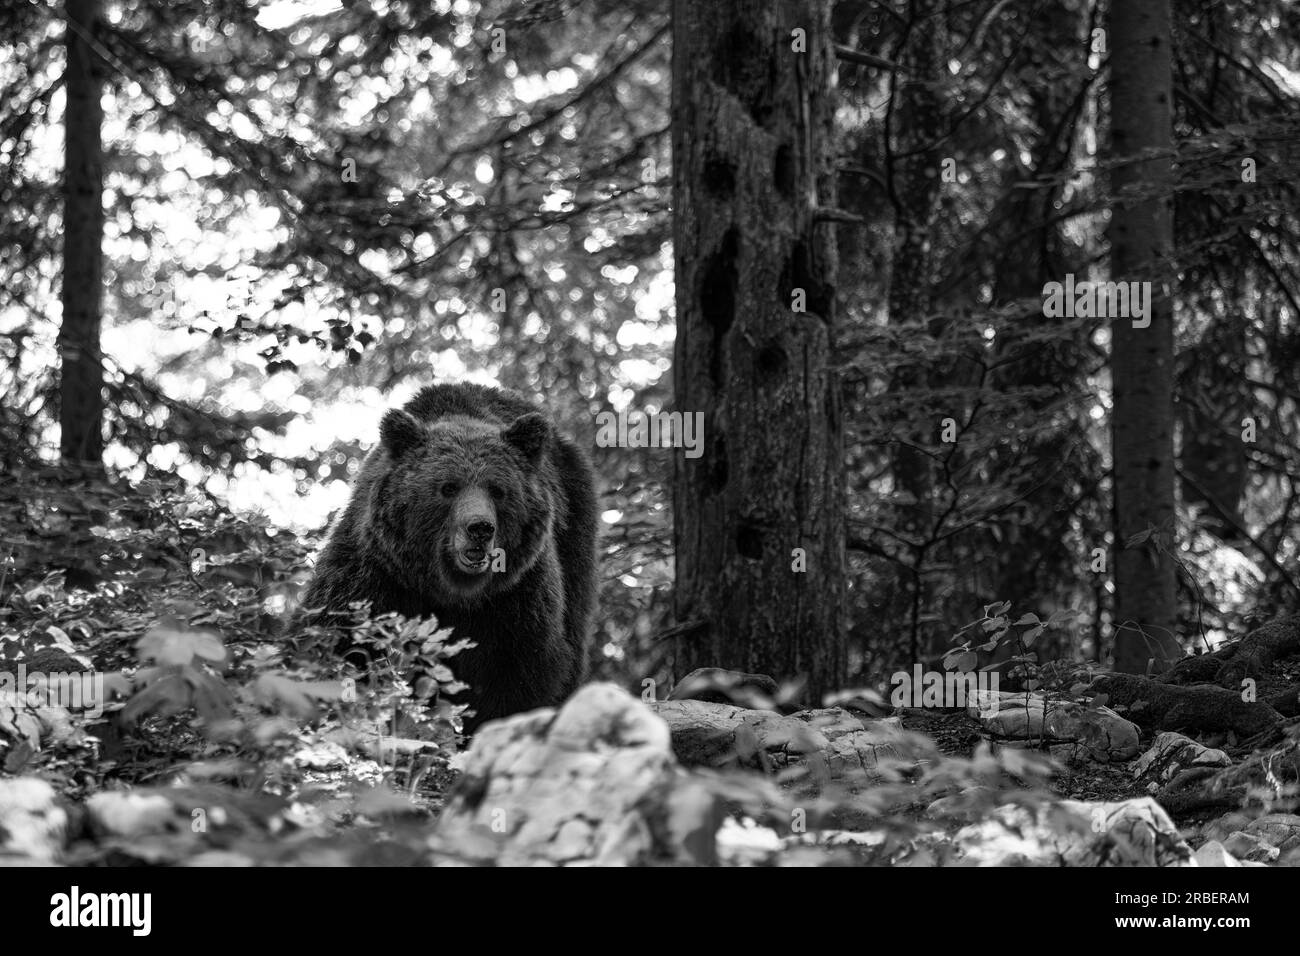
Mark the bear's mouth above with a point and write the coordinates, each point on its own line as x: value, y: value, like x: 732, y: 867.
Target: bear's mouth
x: 471, y: 560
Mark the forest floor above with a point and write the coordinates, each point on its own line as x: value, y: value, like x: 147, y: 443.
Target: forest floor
x: 216, y: 734
x: 958, y: 734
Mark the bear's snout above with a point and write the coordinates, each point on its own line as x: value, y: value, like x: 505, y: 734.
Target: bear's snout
x: 474, y: 530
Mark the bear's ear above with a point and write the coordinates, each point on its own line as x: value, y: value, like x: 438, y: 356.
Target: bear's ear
x: 400, y: 431
x: 529, y: 434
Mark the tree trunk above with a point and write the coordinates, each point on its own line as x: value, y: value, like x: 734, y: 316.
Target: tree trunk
x: 915, y: 189
x: 1142, y: 359
x: 81, y: 408
x: 752, y: 162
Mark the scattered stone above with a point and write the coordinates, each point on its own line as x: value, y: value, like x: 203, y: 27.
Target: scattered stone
x: 1099, y: 731
x: 1172, y: 753
x: 1134, y: 832
x: 968, y: 805
x: 1281, y: 830
x: 1248, y: 846
x: 722, y: 735
x: 1220, y: 828
x: 564, y: 788
x: 1214, y: 853
x: 128, y: 813
x: 1267, y: 770
x: 33, y: 825
x: 746, y: 843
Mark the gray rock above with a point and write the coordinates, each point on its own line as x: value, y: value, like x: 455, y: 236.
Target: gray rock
x: 1171, y: 753
x: 563, y: 788
x: 1134, y: 832
x: 1250, y: 846
x: 1281, y: 830
x: 1214, y: 853
x: 968, y: 805
x: 1221, y: 827
x: 1097, y: 731
x: 33, y: 825
x: 721, y: 735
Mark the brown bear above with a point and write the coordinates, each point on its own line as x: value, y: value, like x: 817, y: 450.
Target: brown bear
x: 472, y: 508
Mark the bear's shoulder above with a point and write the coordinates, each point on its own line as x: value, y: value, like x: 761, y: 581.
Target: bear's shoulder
x: 467, y: 400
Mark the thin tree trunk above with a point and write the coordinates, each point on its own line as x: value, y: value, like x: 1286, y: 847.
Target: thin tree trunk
x: 1142, y: 359
x: 915, y: 189
x: 752, y: 161
x: 81, y: 407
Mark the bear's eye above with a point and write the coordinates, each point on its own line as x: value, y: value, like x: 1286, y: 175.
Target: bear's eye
x: 497, y: 492
x: 449, y: 489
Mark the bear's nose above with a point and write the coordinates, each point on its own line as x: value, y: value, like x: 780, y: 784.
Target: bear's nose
x: 481, y: 529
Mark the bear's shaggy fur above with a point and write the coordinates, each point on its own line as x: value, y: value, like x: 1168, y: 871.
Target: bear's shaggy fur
x: 473, y: 509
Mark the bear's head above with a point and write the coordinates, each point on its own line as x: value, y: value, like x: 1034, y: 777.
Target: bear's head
x: 464, y: 507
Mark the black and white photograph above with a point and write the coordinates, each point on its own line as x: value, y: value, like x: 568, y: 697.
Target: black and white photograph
x: 651, y: 434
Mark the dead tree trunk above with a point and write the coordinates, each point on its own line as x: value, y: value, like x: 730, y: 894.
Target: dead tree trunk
x: 759, y: 529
